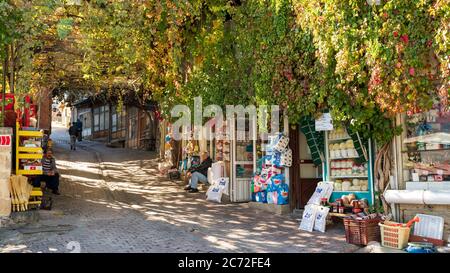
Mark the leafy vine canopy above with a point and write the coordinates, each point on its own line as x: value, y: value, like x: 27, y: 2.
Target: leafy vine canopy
x: 363, y: 62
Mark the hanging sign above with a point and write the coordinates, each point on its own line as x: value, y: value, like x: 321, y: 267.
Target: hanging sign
x: 5, y: 140
x: 324, y: 122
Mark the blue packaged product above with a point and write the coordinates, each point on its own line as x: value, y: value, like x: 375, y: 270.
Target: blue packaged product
x: 283, y: 194
x: 275, y: 182
x: 276, y: 159
x: 261, y: 197
x: 271, y: 197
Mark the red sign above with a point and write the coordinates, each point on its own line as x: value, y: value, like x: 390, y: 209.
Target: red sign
x: 5, y: 140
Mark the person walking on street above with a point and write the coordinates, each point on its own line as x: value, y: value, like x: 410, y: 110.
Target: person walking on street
x: 79, y: 129
x: 73, y: 132
x: 45, y: 139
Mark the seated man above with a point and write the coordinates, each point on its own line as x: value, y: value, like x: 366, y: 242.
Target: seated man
x: 199, y: 173
x: 51, y: 175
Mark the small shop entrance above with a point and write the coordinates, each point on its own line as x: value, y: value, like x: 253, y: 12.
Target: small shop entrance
x: 305, y: 175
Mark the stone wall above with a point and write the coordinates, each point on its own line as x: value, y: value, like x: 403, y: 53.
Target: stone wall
x: 5, y: 172
x: 409, y: 211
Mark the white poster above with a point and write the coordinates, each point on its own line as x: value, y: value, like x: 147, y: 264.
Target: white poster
x: 324, y: 122
x: 309, y: 217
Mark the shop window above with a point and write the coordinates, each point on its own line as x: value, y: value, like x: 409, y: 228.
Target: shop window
x: 118, y: 119
x: 121, y: 119
x: 102, y: 118
x: 114, y: 121
x: 106, y: 115
x: 426, y: 149
x: 97, y: 119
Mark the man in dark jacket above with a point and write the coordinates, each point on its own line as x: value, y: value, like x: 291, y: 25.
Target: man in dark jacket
x: 79, y: 130
x: 73, y: 132
x: 199, y: 173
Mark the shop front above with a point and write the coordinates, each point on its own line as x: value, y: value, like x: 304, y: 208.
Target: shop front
x: 334, y: 154
x: 22, y: 147
x: 240, y: 157
x: 422, y: 168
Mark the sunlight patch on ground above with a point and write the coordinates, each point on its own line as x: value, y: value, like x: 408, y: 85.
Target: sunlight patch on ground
x: 13, y: 248
x: 220, y: 243
x: 90, y: 182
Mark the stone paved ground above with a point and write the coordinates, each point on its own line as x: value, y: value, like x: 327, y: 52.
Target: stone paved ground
x: 114, y: 200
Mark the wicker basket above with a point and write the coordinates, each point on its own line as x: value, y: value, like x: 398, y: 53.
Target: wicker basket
x: 361, y: 232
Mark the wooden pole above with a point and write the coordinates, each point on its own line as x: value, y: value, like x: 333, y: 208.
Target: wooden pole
x: 11, y: 77
x: 5, y: 65
x: 110, y: 122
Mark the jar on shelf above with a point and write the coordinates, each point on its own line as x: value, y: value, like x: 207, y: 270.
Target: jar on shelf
x: 349, y: 163
x: 335, y: 207
x: 346, y: 185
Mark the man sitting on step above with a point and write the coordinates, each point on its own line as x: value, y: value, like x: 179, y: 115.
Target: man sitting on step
x: 50, y: 173
x: 199, y: 173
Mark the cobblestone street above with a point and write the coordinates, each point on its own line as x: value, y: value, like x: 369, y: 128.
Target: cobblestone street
x: 114, y: 200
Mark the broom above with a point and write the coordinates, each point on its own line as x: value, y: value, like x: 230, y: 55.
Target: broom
x: 24, y: 191
x: 20, y: 192
x: 14, y: 196
x: 11, y: 188
x: 28, y: 188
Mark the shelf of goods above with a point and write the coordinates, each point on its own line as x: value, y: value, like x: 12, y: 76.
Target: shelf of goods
x: 344, y: 167
x: 242, y: 157
x: 426, y: 150
x: 28, y: 152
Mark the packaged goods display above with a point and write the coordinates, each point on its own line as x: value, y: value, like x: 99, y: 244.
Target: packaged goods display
x: 269, y: 186
x: 426, y: 151
x: 346, y: 170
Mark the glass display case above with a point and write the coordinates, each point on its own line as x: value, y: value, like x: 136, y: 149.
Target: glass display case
x: 348, y: 164
x: 426, y: 149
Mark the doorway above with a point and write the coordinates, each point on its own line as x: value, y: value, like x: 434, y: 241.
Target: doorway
x: 304, y: 173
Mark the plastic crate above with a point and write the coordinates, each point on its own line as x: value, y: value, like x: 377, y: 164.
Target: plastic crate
x: 361, y: 232
x: 394, y: 236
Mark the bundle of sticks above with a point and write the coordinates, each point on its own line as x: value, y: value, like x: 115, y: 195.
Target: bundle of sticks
x: 20, y: 192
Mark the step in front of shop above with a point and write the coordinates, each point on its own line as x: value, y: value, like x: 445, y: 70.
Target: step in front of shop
x: 272, y: 208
